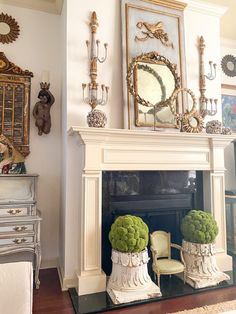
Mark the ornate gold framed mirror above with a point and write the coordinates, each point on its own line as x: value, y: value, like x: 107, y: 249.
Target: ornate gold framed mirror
x: 152, y: 80
x: 9, y: 29
x: 151, y: 25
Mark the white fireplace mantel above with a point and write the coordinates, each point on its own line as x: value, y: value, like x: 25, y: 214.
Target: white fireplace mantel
x: 118, y: 149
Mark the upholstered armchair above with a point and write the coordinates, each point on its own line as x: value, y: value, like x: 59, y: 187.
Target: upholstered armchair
x: 163, y: 264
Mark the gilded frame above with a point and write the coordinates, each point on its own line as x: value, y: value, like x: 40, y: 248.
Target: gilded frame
x: 15, y: 85
x: 228, y: 101
x: 149, y: 59
x: 170, y: 13
x: 14, y: 29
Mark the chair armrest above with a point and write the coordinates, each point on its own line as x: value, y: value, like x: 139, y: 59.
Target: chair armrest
x: 178, y: 247
x: 154, y: 254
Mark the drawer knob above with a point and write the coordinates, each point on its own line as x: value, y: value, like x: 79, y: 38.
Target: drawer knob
x: 19, y: 241
x: 14, y: 211
x: 19, y: 229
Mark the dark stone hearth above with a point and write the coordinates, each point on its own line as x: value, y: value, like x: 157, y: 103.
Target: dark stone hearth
x: 171, y: 287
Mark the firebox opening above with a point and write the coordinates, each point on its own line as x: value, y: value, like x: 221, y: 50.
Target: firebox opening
x: 160, y: 198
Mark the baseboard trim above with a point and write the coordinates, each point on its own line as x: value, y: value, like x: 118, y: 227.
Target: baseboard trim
x: 66, y: 282
x: 53, y: 263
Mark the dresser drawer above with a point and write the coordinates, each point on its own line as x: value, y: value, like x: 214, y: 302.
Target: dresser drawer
x: 14, y: 211
x: 17, y: 188
x: 16, y: 228
x: 16, y: 240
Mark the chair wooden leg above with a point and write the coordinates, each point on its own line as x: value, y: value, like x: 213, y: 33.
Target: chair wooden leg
x: 158, y: 281
x: 155, y: 277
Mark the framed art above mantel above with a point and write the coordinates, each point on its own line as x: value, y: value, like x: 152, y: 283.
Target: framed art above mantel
x: 151, y: 26
x: 228, y: 101
x: 15, y: 85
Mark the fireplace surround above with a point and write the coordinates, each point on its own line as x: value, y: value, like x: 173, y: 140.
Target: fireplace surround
x: 129, y: 150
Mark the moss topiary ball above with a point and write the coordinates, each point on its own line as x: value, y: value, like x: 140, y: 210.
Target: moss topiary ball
x: 129, y: 234
x: 199, y: 227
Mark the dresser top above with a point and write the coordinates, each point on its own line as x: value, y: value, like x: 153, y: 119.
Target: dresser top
x: 19, y: 175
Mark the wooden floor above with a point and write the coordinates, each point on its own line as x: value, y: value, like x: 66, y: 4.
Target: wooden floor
x: 50, y: 299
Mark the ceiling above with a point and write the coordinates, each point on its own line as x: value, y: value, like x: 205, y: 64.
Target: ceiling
x: 228, y: 29
x: 50, y: 6
x: 228, y: 23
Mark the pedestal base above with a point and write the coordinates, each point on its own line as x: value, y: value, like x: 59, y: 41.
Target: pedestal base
x: 129, y: 280
x: 118, y: 297
x: 202, y: 282
x: 201, y: 266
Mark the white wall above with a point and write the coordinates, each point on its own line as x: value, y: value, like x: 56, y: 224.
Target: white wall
x: 203, y: 22
x: 109, y: 72
x: 36, y: 49
x: 197, y: 22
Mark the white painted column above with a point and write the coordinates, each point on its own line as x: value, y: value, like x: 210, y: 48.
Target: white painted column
x: 214, y: 201
x: 91, y: 278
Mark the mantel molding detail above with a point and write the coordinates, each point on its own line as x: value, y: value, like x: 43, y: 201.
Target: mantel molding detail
x: 116, y: 149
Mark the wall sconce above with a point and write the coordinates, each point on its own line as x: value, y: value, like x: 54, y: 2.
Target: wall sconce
x: 41, y: 111
x: 95, y: 118
x: 207, y: 106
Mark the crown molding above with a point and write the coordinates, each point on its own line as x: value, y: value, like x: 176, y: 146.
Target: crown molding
x: 228, y: 43
x: 49, y: 6
x: 206, y: 8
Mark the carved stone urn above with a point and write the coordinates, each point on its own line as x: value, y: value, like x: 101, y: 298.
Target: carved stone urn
x: 201, y: 268
x: 129, y: 280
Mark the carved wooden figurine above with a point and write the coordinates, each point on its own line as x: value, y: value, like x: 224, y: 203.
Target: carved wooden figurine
x: 42, y: 108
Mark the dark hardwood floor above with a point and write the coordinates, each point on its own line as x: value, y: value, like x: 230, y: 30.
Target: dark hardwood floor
x: 50, y: 299
x: 181, y: 303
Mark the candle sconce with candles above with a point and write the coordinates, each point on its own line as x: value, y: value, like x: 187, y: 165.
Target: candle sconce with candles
x: 41, y: 111
x: 208, y: 106
x: 95, y: 118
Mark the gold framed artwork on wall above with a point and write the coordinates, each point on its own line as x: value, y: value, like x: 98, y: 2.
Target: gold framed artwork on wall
x: 151, y: 26
x: 15, y: 85
x: 228, y: 102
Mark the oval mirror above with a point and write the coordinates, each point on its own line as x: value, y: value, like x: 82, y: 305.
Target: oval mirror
x: 152, y: 80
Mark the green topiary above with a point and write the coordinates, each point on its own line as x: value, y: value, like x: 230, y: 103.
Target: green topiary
x: 199, y: 227
x: 129, y: 234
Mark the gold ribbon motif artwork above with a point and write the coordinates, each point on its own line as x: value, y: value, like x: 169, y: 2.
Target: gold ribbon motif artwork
x: 154, y: 31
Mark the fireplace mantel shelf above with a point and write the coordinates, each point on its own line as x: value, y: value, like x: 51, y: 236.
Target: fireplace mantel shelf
x: 120, y: 149
x: 100, y: 150
x: 100, y: 132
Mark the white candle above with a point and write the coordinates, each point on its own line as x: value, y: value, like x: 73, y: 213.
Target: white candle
x: 45, y: 77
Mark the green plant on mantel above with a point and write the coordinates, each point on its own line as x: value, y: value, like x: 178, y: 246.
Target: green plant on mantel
x: 199, y: 227
x: 129, y: 234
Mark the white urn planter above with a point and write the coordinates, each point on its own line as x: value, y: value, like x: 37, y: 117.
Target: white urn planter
x: 129, y: 280
x: 201, y: 268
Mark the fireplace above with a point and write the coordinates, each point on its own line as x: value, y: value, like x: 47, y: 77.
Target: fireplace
x: 108, y: 150
x: 160, y: 198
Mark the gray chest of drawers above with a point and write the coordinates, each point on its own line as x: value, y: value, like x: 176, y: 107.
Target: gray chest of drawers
x: 19, y: 218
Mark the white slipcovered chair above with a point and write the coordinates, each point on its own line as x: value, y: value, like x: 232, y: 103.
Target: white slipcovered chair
x: 162, y: 263
x: 16, y: 288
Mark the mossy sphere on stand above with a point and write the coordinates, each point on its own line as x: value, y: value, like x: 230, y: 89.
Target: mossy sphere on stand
x: 199, y: 227
x: 129, y: 234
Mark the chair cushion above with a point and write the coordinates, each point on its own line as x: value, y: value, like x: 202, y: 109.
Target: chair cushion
x: 169, y: 266
x: 16, y: 288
